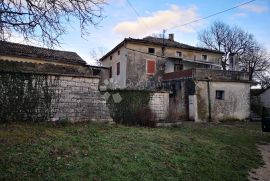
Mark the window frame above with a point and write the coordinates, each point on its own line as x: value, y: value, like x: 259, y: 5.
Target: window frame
x: 220, y: 94
x: 178, y: 52
x: 151, y: 48
x: 174, y: 67
x: 204, y: 57
x: 118, y: 67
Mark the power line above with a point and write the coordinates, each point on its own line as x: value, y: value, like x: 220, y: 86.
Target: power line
x: 194, y: 21
x: 136, y: 12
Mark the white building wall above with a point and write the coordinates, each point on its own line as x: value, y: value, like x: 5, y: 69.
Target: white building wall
x: 236, y: 103
x: 265, y: 98
x: 117, y: 81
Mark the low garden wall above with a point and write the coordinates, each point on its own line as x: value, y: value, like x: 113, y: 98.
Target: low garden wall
x: 159, y: 103
x: 137, y: 107
x: 50, y: 96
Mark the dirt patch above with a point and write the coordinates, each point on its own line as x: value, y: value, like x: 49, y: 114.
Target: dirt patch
x: 262, y: 173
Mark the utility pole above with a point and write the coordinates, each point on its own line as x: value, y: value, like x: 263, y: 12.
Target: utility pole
x: 163, y: 44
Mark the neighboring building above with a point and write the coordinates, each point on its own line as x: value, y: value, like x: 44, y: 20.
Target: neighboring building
x: 209, y: 95
x: 31, y: 54
x: 265, y: 98
x: 15, y: 52
x: 135, y: 62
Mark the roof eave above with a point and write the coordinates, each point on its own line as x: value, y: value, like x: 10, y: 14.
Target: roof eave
x: 113, y: 50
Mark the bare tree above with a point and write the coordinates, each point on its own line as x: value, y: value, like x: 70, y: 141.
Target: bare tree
x: 230, y: 40
x: 255, y: 61
x: 97, y: 53
x: 263, y: 80
x: 45, y: 21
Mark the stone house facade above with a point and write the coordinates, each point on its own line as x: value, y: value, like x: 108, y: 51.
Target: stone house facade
x: 137, y: 62
x: 199, y: 89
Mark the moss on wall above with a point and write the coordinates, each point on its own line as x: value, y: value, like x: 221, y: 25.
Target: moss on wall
x: 131, y: 102
x: 202, y: 105
x: 26, y: 97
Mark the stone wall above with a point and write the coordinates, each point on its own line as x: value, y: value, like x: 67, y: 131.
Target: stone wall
x: 54, y: 94
x: 79, y: 100
x: 159, y: 104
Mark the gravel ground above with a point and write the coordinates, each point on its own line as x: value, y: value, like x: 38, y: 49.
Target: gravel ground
x: 262, y: 173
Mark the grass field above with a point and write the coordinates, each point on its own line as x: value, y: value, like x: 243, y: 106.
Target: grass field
x: 112, y: 152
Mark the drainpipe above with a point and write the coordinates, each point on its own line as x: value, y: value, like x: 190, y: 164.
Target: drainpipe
x: 209, y: 100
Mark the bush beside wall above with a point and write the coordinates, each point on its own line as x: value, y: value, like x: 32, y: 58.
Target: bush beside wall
x: 132, y: 109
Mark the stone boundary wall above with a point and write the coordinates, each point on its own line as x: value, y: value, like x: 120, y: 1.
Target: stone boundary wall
x: 45, y: 97
x: 79, y: 100
x: 159, y: 103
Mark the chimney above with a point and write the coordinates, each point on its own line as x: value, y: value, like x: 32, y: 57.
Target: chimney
x: 171, y: 37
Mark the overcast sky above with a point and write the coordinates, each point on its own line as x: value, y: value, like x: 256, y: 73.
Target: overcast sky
x: 155, y: 15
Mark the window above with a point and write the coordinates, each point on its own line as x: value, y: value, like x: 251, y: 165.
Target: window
x: 220, y: 94
x: 118, y: 68
x: 118, y: 52
x: 110, y: 72
x: 178, y: 67
x: 151, y: 67
x: 204, y: 57
x: 151, y: 50
x: 111, y: 57
x: 179, y: 54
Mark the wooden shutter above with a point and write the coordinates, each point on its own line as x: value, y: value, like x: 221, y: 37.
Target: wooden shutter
x: 151, y: 67
x: 110, y: 72
x: 118, y: 68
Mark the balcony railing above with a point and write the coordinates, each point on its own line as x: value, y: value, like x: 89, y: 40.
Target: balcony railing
x: 207, y: 74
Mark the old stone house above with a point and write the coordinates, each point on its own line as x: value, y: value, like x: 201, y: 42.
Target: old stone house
x: 199, y: 89
x: 135, y: 62
x: 38, y: 84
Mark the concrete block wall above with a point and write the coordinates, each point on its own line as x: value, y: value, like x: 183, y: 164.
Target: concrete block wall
x: 159, y: 103
x: 79, y: 100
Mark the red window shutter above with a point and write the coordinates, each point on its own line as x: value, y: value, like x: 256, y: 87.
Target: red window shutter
x: 151, y: 66
x: 118, y: 68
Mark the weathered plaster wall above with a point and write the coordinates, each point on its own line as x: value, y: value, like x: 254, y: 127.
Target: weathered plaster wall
x: 171, y: 52
x: 117, y: 81
x: 43, y: 97
x: 169, y: 65
x: 159, y: 104
x: 133, y: 63
x: 136, y: 71
x: 236, y: 103
x: 265, y: 98
x: 193, y: 55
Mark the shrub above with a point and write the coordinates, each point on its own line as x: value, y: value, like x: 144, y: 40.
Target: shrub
x: 132, y: 101
x: 145, y: 117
